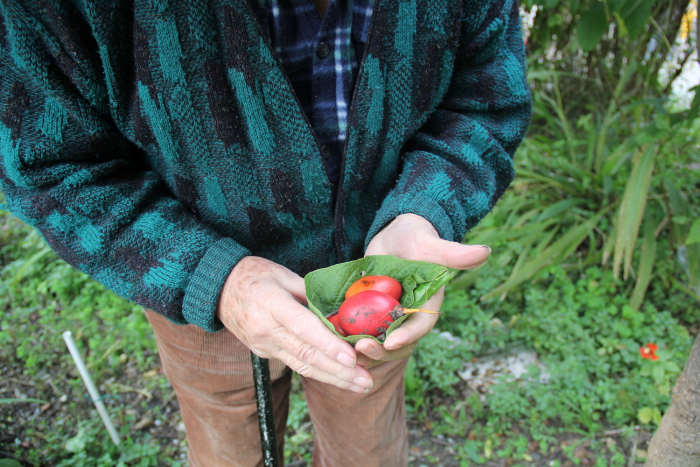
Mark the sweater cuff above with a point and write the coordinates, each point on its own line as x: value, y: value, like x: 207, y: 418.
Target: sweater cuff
x: 204, y: 289
x: 423, y: 206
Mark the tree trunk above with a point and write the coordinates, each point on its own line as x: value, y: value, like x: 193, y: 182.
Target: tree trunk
x: 677, y: 441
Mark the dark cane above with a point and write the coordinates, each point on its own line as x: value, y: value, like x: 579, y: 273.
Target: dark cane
x: 266, y: 419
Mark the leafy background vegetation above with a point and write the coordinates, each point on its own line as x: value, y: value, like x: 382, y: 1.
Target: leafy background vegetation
x: 596, y: 252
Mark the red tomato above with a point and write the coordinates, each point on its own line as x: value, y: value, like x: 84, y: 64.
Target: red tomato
x: 334, y: 321
x: 369, y: 312
x: 386, y: 284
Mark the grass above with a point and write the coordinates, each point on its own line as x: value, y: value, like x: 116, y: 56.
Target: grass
x: 581, y: 325
x: 41, y: 296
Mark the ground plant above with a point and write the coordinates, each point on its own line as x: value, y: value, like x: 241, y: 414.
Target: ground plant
x: 595, y: 274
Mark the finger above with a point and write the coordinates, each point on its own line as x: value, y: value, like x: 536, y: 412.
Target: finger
x: 451, y: 254
x: 310, y: 341
x: 317, y: 359
x: 359, y: 385
x: 371, y: 349
x: 365, y: 362
x: 411, y: 331
x: 379, y: 354
x: 417, y: 325
x: 305, y: 325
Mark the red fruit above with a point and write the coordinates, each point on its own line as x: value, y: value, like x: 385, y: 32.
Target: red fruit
x: 334, y: 321
x: 370, y: 313
x: 386, y: 284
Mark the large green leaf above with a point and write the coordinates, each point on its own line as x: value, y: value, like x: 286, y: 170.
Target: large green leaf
x: 592, y: 26
x: 636, y: 14
x: 560, y: 249
x: 634, y: 202
x: 646, y: 264
x: 559, y: 207
x: 681, y: 231
x: 325, y: 288
x: 694, y: 234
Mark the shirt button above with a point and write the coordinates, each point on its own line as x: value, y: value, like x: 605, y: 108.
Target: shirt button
x: 322, y: 50
x: 325, y: 152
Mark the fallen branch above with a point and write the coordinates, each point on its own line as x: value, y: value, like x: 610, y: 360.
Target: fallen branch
x: 677, y: 441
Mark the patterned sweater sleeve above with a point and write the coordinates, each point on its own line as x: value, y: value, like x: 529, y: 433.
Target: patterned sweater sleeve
x: 460, y: 162
x: 67, y: 170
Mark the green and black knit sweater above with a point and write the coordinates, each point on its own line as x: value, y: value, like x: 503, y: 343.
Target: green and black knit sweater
x: 155, y: 143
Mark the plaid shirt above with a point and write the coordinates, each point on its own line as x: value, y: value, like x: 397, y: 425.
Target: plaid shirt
x: 321, y: 58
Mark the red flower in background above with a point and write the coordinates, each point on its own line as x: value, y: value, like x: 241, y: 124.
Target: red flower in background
x: 649, y: 352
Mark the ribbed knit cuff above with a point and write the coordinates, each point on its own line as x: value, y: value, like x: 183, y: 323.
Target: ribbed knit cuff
x: 204, y: 289
x: 423, y: 206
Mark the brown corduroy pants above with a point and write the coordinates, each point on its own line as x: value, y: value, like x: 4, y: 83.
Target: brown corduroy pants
x: 212, y: 376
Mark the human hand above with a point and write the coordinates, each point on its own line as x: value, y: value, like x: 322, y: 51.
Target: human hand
x: 412, y: 237
x: 262, y: 305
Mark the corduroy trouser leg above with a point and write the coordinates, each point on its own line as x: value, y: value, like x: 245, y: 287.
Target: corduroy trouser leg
x: 213, y: 378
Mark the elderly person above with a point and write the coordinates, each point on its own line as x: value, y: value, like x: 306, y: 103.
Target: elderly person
x: 200, y: 156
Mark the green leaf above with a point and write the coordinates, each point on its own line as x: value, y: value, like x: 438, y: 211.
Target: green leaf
x: 636, y: 14
x: 412, y: 380
x: 325, y: 288
x: 695, y: 105
x: 680, y: 208
x: 616, y: 5
x: 672, y: 367
x: 9, y: 463
x: 646, y: 264
x: 694, y: 234
x: 658, y: 372
x: 645, y: 415
x: 471, y: 449
x: 632, y: 210
x: 78, y: 442
x: 560, y: 249
x: 592, y: 25
x: 561, y: 206
x: 22, y: 270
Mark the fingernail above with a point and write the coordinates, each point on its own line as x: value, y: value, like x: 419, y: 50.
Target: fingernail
x: 346, y: 360
x: 487, y: 247
x: 359, y: 390
x: 394, y: 346
x: 363, y: 382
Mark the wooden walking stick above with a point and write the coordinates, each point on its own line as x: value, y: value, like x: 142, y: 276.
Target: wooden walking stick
x: 266, y: 419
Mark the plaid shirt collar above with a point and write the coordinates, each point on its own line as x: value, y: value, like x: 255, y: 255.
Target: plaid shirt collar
x: 321, y: 58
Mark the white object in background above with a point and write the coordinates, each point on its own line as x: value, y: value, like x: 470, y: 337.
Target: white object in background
x: 92, y: 389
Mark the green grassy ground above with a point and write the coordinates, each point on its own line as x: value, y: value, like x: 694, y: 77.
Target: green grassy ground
x: 586, y: 336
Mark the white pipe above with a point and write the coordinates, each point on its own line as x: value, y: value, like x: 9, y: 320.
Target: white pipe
x: 92, y: 389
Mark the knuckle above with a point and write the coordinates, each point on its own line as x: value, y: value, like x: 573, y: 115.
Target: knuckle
x: 299, y: 326
x: 307, y: 353
x: 258, y: 330
x: 327, y: 346
x: 302, y: 369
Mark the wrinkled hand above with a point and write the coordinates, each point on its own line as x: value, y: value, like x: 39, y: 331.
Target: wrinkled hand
x: 262, y: 305
x: 412, y: 237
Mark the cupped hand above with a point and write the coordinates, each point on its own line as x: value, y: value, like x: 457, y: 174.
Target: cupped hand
x: 262, y: 305
x: 412, y: 237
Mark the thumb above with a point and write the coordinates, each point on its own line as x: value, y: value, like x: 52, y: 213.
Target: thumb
x: 452, y: 254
